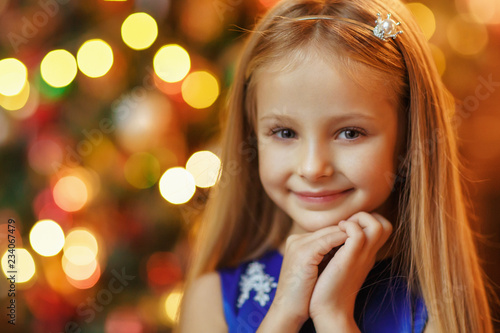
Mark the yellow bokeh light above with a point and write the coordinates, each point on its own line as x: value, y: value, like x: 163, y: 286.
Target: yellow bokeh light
x: 95, y: 58
x: 171, y: 63
x: 24, y: 265
x: 80, y: 247
x: 13, y: 76
x: 172, y: 304
x: 485, y: 11
x: 47, y: 238
x: 177, y: 185
x: 142, y: 170
x: 139, y: 31
x: 425, y: 18
x: 467, y: 36
x: 58, y: 68
x: 204, y: 166
x: 70, y: 193
x: 439, y: 58
x: 78, y: 272
x: 16, y: 102
x: 200, y: 89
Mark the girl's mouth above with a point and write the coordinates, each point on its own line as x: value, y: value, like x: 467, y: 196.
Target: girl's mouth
x: 321, y: 197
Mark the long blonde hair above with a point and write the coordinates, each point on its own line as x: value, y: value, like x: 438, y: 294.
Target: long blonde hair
x: 435, y: 240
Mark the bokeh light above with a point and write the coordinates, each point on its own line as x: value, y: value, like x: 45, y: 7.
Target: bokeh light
x: 173, y: 89
x: 24, y: 265
x: 47, y: 238
x: 144, y: 123
x: 80, y: 247
x: 18, y: 101
x: 204, y: 166
x: 139, y: 31
x: 163, y: 269
x: 58, y: 68
x: 123, y: 320
x: 467, y: 36
x: 201, y: 23
x: 172, y: 63
x: 177, y: 185
x: 13, y: 76
x: 485, y: 11
x: 44, y: 155
x: 78, y: 272
x: 31, y: 106
x: 70, y: 193
x: 425, y: 18
x: 95, y: 58
x: 142, y: 170
x: 86, y: 283
x: 200, y: 89
x: 172, y: 304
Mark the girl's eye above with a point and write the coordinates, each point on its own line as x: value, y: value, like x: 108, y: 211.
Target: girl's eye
x: 284, y: 133
x: 351, y: 133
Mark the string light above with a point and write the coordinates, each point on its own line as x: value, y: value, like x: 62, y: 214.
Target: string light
x: 177, y: 185
x: 171, y: 63
x: 24, y: 264
x: 13, y: 76
x: 58, y: 68
x: 204, y: 166
x: 139, y: 31
x: 200, y: 89
x: 70, y: 193
x: 95, y: 58
x: 47, y: 238
x: 467, y: 36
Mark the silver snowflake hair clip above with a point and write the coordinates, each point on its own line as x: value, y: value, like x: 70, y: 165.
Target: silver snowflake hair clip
x: 387, y: 28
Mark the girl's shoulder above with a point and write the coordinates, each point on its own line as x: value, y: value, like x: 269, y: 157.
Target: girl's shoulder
x: 203, y: 300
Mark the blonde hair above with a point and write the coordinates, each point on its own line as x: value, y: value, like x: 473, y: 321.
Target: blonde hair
x: 433, y: 234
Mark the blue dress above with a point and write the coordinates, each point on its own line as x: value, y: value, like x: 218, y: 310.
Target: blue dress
x: 383, y: 304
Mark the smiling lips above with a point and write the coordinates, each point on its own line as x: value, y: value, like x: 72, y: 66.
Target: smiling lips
x: 321, y: 197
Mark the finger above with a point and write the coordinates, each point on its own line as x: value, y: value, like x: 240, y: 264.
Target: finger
x: 326, y: 243
x: 355, y: 236
x: 386, y: 224
x: 386, y: 229
x: 312, y: 248
x: 371, y: 226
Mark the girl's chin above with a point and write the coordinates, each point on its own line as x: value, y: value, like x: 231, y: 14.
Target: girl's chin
x: 301, y: 226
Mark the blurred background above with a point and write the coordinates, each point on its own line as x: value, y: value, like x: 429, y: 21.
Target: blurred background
x: 108, y: 146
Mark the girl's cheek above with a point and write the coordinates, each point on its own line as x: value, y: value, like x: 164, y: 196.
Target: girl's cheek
x: 367, y: 166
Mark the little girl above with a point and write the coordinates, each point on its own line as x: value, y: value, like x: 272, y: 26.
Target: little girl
x: 339, y: 206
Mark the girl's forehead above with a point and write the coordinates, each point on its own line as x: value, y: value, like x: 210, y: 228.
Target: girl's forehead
x: 317, y: 90
x: 364, y: 76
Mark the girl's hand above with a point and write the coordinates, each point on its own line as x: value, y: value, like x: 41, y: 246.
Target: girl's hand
x: 299, y: 272
x: 335, y: 291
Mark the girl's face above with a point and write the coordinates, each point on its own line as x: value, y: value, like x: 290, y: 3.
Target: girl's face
x: 327, y: 147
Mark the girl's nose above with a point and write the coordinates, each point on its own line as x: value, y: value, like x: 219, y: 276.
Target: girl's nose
x: 315, y: 162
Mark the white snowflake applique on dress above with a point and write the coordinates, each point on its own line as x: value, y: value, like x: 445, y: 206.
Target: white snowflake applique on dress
x: 256, y: 279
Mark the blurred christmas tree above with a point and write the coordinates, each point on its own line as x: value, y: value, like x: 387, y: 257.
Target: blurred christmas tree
x: 108, y: 128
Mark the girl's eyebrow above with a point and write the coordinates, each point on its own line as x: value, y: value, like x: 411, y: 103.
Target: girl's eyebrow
x: 342, y: 117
